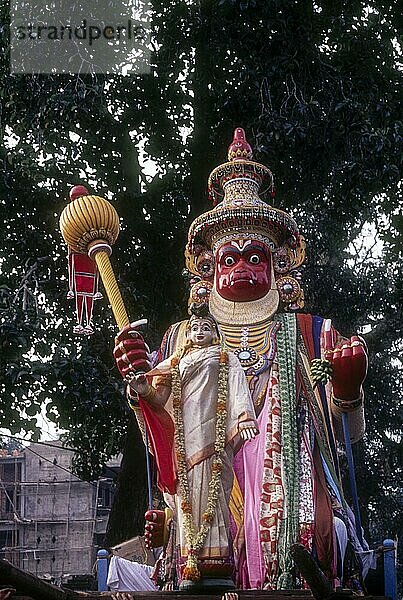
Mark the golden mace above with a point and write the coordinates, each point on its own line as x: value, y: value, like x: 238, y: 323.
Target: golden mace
x: 90, y: 225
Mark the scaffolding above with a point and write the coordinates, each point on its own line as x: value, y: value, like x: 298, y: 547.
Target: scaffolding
x: 50, y: 520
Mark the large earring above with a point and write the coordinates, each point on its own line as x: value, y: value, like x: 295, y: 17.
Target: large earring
x: 291, y: 293
x: 281, y: 260
x: 199, y: 295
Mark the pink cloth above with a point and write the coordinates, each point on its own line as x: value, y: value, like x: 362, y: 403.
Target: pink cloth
x: 253, y: 452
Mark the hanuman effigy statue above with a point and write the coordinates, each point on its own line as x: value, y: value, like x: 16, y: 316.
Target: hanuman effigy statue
x: 244, y: 434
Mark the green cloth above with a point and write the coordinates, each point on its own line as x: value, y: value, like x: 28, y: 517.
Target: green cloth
x: 287, y: 358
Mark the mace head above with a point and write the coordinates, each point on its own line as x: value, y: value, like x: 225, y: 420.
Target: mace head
x: 88, y: 220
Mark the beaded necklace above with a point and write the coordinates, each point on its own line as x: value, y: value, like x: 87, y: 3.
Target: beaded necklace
x: 254, y: 345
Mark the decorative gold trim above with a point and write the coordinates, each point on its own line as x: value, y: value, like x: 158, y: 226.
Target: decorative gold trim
x: 243, y: 313
x: 257, y: 336
x: 347, y: 405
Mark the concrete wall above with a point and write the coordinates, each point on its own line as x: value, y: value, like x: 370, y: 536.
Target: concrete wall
x: 58, y: 518
x: 60, y: 515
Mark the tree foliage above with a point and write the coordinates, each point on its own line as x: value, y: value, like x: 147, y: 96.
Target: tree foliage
x: 315, y: 85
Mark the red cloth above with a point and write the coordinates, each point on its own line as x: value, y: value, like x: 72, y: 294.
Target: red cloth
x: 83, y: 282
x: 305, y: 325
x: 161, y: 434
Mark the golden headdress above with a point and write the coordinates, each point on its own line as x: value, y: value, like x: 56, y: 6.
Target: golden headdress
x: 238, y: 213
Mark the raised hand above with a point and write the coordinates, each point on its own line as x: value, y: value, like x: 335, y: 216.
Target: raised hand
x: 131, y: 352
x: 350, y: 364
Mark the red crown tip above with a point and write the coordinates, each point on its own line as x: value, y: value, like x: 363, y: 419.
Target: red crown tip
x: 77, y: 191
x: 239, y: 148
x: 239, y: 134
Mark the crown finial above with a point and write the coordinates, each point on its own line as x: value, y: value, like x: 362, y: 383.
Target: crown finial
x: 239, y: 149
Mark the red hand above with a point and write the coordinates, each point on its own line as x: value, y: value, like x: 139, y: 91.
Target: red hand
x: 154, y: 529
x: 131, y: 352
x: 349, y: 367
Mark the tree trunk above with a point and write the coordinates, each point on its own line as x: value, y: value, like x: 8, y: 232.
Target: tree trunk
x: 127, y: 515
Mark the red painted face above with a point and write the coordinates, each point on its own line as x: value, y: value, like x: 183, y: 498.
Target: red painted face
x: 243, y: 270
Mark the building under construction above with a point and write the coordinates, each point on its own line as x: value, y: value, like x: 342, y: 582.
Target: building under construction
x: 51, y: 522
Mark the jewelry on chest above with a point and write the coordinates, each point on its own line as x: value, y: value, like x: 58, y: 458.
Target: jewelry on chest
x: 255, y: 346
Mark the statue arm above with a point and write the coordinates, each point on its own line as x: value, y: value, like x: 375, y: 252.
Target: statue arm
x: 356, y: 422
x: 161, y: 383
x: 349, y: 363
x: 239, y: 392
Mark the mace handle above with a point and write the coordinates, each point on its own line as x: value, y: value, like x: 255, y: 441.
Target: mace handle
x: 111, y: 287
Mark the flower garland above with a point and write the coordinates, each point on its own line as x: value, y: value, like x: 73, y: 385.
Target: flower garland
x: 195, y: 540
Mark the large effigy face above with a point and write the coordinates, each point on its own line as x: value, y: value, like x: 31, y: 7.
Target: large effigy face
x: 243, y: 270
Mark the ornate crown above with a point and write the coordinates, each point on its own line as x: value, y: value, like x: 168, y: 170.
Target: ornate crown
x: 238, y: 213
